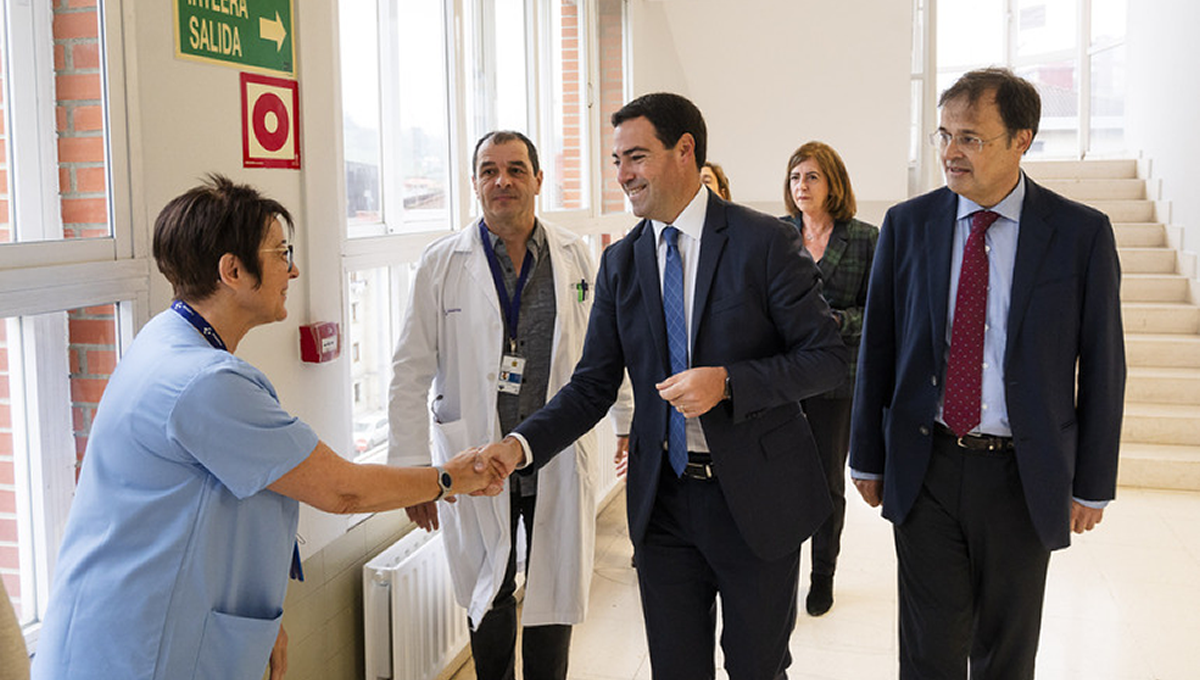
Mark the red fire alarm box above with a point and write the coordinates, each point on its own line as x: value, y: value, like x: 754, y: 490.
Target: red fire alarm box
x: 320, y: 342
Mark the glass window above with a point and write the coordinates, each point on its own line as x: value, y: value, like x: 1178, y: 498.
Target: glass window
x: 1058, y: 84
x: 1045, y: 26
x: 613, y: 95
x: 970, y: 33
x: 53, y: 370
x: 1107, y: 132
x: 53, y: 141
x: 565, y: 109
x: 359, y: 26
x: 381, y: 293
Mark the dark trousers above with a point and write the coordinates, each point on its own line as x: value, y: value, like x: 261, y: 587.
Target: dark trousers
x: 829, y: 420
x: 972, y: 571
x: 544, y: 649
x: 692, y: 552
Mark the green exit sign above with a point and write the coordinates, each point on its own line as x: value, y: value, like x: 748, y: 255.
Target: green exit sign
x: 252, y: 34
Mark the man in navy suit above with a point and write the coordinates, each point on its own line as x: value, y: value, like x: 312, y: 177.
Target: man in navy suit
x: 720, y: 496
x: 988, y: 400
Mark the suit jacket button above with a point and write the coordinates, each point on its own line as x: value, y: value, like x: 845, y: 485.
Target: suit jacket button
x: 933, y: 380
x: 924, y: 430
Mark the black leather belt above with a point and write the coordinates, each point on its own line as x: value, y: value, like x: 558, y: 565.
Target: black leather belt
x: 701, y: 470
x: 976, y: 442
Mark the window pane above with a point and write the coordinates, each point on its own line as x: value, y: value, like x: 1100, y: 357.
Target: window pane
x: 423, y: 139
x: 377, y: 297
x: 612, y: 95
x: 1107, y: 134
x: 566, y: 138
x: 1058, y: 84
x: 970, y: 33
x: 359, y: 25
x: 53, y: 369
x: 53, y: 128
x: 1108, y: 20
x: 1045, y: 26
x: 511, y: 93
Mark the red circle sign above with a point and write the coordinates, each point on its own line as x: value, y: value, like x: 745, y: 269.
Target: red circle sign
x: 271, y: 140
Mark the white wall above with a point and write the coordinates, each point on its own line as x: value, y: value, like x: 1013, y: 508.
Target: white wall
x: 771, y: 75
x: 1162, y: 100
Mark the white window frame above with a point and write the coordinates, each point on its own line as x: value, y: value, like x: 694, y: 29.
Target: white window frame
x: 41, y: 279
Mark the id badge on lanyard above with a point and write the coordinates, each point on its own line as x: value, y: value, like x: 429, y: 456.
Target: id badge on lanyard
x: 512, y: 366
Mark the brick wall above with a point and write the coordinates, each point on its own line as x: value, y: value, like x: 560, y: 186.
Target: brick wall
x: 611, y: 33
x: 571, y: 162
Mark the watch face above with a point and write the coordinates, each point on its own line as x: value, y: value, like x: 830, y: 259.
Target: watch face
x: 445, y: 480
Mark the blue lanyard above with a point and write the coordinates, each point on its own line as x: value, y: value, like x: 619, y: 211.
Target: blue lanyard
x: 512, y: 308
x: 193, y: 317
x: 210, y: 334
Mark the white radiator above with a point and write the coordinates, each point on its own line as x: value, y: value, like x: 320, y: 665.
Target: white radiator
x: 412, y: 626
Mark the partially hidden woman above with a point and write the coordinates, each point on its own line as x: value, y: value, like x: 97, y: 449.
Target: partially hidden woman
x: 821, y: 205
x: 715, y: 179
x: 177, y: 549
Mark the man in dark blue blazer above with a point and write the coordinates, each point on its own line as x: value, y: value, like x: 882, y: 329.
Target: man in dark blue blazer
x: 986, y: 462
x: 757, y: 338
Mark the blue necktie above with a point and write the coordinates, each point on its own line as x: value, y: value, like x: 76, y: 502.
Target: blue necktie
x: 677, y: 344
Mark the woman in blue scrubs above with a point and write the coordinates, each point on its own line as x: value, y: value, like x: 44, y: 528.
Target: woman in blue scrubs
x: 178, y: 545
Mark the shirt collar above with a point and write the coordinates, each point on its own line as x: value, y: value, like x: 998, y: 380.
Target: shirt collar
x: 1009, y: 208
x: 536, y: 242
x: 691, y: 220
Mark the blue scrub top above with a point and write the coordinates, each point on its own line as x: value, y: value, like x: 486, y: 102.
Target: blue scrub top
x: 175, y: 559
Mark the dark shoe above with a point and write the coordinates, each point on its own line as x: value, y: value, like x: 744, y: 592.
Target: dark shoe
x: 820, y: 595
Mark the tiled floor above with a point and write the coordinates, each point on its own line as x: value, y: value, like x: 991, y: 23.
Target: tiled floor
x: 1123, y: 603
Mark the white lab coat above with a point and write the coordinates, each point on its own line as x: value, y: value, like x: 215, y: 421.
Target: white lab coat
x: 453, y: 338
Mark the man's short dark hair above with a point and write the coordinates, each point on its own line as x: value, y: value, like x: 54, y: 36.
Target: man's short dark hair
x: 503, y: 137
x: 1018, y: 100
x: 196, y: 229
x: 671, y: 115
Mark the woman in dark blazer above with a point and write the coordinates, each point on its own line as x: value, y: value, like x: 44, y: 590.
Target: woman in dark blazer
x: 821, y: 206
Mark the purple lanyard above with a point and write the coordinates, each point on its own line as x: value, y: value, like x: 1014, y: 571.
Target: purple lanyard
x: 512, y: 308
x: 210, y: 334
x: 193, y: 317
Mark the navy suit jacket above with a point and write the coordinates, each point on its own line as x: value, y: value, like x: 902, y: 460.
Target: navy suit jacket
x: 1065, y: 313
x: 758, y: 312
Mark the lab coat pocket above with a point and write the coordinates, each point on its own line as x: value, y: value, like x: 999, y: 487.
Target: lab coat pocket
x: 450, y: 438
x: 235, y: 646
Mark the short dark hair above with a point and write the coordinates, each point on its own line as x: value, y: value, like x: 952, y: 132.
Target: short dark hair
x: 195, y: 230
x: 671, y: 115
x: 1018, y: 100
x: 840, y: 203
x: 501, y: 137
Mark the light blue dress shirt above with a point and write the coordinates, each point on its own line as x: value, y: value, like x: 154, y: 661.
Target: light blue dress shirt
x: 175, y: 559
x: 1001, y: 245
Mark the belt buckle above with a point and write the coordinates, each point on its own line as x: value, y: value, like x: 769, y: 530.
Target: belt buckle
x: 700, y: 471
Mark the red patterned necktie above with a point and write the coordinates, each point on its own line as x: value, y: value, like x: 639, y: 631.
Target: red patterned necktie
x: 964, y: 373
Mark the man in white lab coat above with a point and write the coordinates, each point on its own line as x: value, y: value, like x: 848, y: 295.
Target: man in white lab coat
x: 496, y: 323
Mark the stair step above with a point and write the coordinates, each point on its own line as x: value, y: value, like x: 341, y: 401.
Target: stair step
x: 1164, y: 351
x: 1163, y: 385
x: 1140, y: 235
x: 1159, y: 466
x: 1176, y: 424
x: 1160, y: 317
x: 1154, y: 288
x: 1126, y: 211
x: 1098, y: 189
x: 1106, y: 169
x: 1147, y: 260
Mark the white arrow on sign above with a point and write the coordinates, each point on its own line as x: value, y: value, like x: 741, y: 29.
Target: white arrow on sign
x: 269, y: 29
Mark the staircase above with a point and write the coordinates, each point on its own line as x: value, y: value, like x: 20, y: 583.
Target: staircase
x: 1160, y: 437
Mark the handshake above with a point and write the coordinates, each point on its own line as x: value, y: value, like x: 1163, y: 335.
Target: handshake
x: 478, y: 471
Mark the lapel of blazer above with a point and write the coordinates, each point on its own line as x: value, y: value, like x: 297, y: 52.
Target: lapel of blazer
x: 712, y: 244
x: 645, y: 257
x: 839, y: 240
x: 937, y: 239
x: 1033, y: 242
